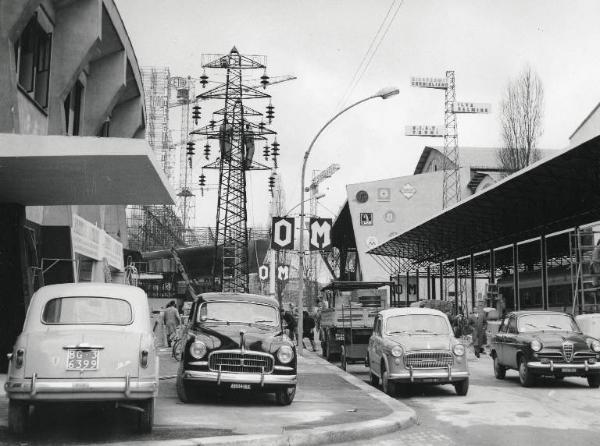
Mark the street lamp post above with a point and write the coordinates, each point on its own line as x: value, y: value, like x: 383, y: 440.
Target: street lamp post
x: 383, y: 94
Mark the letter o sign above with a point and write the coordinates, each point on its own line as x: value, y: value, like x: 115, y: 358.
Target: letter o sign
x: 283, y: 233
x: 263, y: 272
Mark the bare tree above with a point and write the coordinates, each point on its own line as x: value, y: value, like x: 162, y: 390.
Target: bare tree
x: 521, y: 119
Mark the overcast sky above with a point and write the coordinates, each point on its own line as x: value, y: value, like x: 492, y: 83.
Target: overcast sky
x: 322, y: 42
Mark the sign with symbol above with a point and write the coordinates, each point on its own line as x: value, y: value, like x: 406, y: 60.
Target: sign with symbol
x: 283, y: 273
x: 429, y: 82
x: 320, y: 234
x: 384, y: 194
x: 425, y: 130
x: 371, y: 242
x: 408, y: 191
x: 178, y: 82
x: 470, y: 107
x: 263, y: 272
x: 389, y: 217
x: 362, y: 196
x: 366, y: 219
x: 282, y: 233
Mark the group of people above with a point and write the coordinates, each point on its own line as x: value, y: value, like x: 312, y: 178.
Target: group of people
x: 308, y: 326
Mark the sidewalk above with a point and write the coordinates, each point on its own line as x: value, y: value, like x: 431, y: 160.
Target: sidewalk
x: 331, y: 406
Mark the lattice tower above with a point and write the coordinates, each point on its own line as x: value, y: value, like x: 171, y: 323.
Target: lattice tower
x: 186, y: 202
x: 451, y: 167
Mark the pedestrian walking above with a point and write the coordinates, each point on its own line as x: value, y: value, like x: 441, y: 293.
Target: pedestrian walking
x: 479, y: 328
x: 308, y: 325
x: 172, y: 320
x: 290, y: 323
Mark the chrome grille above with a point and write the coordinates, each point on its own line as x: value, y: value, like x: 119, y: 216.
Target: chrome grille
x: 568, y: 351
x: 428, y: 360
x: 557, y: 356
x: 238, y: 362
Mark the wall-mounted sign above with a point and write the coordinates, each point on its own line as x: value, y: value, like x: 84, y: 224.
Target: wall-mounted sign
x: 371, y: 242
x: 91, y: 241
x: 471, y: 107
x: 425, y: 130
x: 389, y: 217
x: 384, y: 194
x: 263, y: 272
x: 282, y: 233
x: 362, y: 196
x: 283, y: 273
x: 320, y: 234
x: 408, y: 191
x: 429, y: 82
x: 366, y: 219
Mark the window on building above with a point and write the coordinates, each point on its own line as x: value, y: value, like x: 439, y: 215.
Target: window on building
x: 73, y: 107
x: 32, y: 53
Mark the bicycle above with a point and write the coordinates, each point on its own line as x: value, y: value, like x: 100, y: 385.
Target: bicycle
x: 177, y: 342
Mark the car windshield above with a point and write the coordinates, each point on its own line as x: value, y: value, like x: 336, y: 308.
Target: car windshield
x: 546, y: 322
x: 87, y: 310
x: 245, y: 312
x: 417, y: 324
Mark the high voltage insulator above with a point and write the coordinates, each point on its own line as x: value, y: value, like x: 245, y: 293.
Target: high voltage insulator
x: 262, y: 125
x: 202, y: 180
x: 204, y: 79
x: 196, y: 113
x: 207, y: 150
x: 266, y: 152
x: 190, y: 161
x: 212, y: 122
x: 272, y: 182
x: 264, y: 80
x: 270, y: 112
x: 190, y: 148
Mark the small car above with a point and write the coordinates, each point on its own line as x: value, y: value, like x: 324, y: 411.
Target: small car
x: 415, y: 345
x: 84, y: 342
x: 236, y: 341
x: 544, y: 343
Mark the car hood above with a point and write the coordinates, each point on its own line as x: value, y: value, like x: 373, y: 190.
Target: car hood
x: 556, y: 339
x: 423, y: 341
x: 229, y: 337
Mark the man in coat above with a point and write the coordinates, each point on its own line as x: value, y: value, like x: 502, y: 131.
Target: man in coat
x: 172, y: 320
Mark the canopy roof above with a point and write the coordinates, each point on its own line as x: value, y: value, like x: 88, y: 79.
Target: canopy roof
x: 559, y: 192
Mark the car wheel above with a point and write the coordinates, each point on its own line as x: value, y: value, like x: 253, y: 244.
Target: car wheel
x: 343, y: 358
x: 525, y: 377
x: 146, y: 418
x: 499, y: 370
x: 388, y: 386
x: 462, y: 387
x: 177, y: 350
x: 594, y: 381
x: 373, y: 378
x: 285, y: 396
x: 183, y: 389
x: 18, y: 416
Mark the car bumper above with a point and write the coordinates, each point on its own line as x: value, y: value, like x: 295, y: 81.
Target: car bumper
x: 83, y: 389
x: 240, y: 378
x: 440, y: 376
x: 562, y: 367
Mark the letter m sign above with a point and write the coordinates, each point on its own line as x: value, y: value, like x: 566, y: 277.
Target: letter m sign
x: 282, y: 233
x: 320, y: 234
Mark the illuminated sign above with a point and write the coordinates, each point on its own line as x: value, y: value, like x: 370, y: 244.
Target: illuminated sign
x: 429, y: 82
x: 425, y: 130
x: 471, y: 107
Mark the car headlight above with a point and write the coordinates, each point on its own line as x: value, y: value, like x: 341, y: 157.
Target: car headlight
x: 198, y: 349
x: 397, y: 351
x: 536, y: 345
x: 285, y: 354
x: 459, y: 349
x: 595, y: 345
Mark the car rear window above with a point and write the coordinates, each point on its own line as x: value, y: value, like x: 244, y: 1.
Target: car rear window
x: 87, y: 310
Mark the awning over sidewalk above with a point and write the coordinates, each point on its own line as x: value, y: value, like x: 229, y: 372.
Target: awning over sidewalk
x: 551, y: 195
x: 60, y: 170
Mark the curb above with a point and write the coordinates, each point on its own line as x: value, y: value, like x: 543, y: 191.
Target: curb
x: 401, y: 417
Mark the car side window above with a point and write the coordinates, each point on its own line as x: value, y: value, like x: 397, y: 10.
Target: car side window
x: 377, y: 328
x: 512, y: 325
x: 504, y: 326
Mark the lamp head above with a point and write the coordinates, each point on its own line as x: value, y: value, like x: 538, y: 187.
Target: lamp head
x: 386, y: 92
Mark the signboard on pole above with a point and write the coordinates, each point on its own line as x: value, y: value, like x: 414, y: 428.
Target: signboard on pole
x: 425, y: 130
x: 282, y: 233
x: 471, y: 107
x: 283, y: 273
x: 320, y: 234
x: 429, y: 82
x: 263, y: 272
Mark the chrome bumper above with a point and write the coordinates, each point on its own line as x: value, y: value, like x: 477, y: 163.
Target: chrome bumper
x: 418, y: 375
x: 240, y: 378
x: 36, y: 388
x: 558, y: 367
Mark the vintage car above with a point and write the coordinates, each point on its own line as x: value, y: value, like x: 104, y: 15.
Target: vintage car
x: 236, y: 341
x: 84, y: 342
x: 544, y: 343
x: 415, y: 345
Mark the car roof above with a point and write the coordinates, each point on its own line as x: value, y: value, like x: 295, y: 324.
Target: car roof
x: 257, y: 298
x: 410, y: 310
x: 524, y: 312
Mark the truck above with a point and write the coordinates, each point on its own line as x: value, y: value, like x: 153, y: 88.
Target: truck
x: 347, y: 316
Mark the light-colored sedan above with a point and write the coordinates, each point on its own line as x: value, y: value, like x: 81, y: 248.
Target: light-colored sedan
x: 84, y: 342
x: 415, y: 345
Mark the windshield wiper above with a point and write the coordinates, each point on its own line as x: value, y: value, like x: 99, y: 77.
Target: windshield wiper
x: 399, y: 332
x: 263, y: 321
x: 423, y: 330
x: 212, y: 319
x: 555, y: 326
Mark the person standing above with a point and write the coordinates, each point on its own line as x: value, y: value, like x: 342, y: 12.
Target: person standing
x: 290, y: 322
x: 308, y: 325
x: 172, y: 320
x: 479, y: 327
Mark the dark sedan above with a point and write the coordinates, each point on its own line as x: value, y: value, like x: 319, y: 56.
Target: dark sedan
x: 235, y: 341
x: 545, y: 343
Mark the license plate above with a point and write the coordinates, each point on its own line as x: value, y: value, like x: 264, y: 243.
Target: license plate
x: 568, y: 370
x: 240, y: 386
x: 82, y: 359
x: 430, y: 380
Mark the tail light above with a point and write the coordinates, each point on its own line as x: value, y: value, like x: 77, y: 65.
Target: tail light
x: 19, y: 358
x: 144, y: 358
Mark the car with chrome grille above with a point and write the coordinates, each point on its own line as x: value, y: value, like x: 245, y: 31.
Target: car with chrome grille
x: 544, y: 343
x: 235, y: 341
x: 84, y: 342
x: 415, y: 346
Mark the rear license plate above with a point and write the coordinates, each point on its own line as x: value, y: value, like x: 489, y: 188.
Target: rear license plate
x: 430, y: 380
x: 240, y: 386
x: 82, y: 359
x: 568, y: 370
